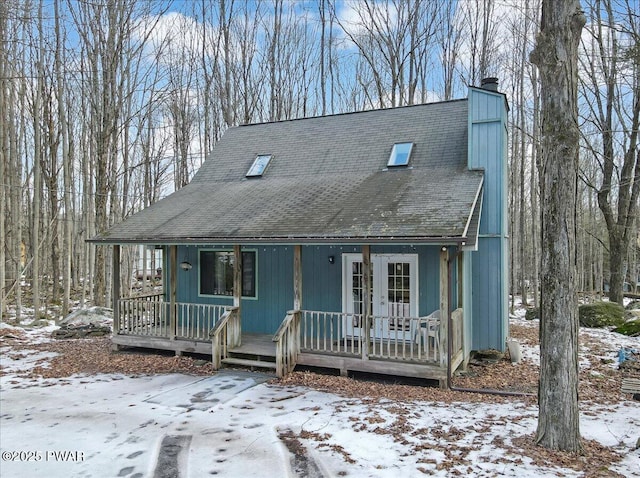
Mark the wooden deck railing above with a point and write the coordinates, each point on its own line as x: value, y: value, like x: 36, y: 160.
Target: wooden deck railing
x: 457, y: 352
x: 405, y: 338
x: 390, y: 338
x: 225, y: 335
x: 400, y: 339
x: 149, y: 316
x: 144, y: 315
x: 330, y: 332
x: 195, y: 321
x: 456, y: 331
x: 287, y: 339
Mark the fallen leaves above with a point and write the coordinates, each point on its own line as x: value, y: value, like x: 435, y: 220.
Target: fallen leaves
x: 94, y: 356
x: 386, y: 402
x: 594, y: 460
x: 599, y: 384
x: 13, y: 333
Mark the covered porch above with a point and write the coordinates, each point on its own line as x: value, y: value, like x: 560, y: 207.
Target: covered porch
x: 426, y: 346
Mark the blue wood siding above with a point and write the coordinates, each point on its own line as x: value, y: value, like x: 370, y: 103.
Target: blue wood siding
x: 467, y: 300
x: 321, y: 280
x: 489, y: 312
x: 485, y: 105
x: 487, y: 146
x: 488, y: 151
x: 275, y: 290
x: 274, y: 287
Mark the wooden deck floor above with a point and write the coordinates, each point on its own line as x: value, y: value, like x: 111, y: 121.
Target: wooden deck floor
x: 256, y: 344
x: 263, y: 348
x: 252, y: 344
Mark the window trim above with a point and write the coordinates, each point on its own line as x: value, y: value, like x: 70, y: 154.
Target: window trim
x: 394, y: 154
x: 255, y: 274
x: 255, y: 171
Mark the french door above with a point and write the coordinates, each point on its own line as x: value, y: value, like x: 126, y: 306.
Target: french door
x: 393, y: 293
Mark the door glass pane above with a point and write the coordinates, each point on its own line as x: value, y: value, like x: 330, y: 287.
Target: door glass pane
x: 399, y: 293
x: 357, y: 288
x: 357, y: 282
x: 399, y: 284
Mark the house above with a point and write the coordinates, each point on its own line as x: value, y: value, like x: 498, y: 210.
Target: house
x: 274, y: 247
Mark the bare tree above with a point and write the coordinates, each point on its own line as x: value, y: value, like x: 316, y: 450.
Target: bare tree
x: 180, y: 100
x: 92, y: 142
x: 394, y: 39
x: 66, y: 160
x: 105, y: 31
x: 275, y: 44
x: 37, y: 168
x: 4, y: 151
x: 449, y: 34
x: 611, y: 92
x: 481, y: 39
x: 556, y: 56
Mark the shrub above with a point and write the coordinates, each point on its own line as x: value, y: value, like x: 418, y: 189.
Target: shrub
x: 601, y: 314
x: 630, y: 328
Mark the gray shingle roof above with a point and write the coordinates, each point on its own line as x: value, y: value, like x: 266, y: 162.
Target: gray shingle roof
x: 327, y: 180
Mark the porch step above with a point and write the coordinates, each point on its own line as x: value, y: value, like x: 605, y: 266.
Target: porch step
x: 249, y: 363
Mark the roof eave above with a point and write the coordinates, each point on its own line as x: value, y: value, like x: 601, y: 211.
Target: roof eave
x: 439, y: 240
x: 473, y: 207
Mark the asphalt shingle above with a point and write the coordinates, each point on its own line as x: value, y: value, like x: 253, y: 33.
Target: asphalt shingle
x: 327, y: 180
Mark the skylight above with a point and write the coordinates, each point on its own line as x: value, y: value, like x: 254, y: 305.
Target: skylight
x: 400, y: 154
x: 259, y: 165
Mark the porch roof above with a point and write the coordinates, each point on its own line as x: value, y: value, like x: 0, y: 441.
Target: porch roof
x: 328, y: 180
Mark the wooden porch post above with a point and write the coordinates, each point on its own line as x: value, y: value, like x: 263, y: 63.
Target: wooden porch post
x: 173, y: 273
x: 115, y: 296
x: 237, y: 294
x: 297, y: 277
x: 461, y: 304
x: 444, y: 310
x: 366, y: 289
x: 460, y: 261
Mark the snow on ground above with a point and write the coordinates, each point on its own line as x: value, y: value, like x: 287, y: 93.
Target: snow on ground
x: 35, y: 335
x: 615, y: 342
x: 235, y: 424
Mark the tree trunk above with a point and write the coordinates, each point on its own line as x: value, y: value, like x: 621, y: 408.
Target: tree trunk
x: 555, y: 55
x: 5, y: 120
x: 37, y: 177
x: 524, y: 289
x: 617, y: 254
x: 66, y: 165
x: 535, y: 170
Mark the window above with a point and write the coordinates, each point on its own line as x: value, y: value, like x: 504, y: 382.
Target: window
x: 400, y: 154
x: 259, y: 166
x: 216, y: 273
